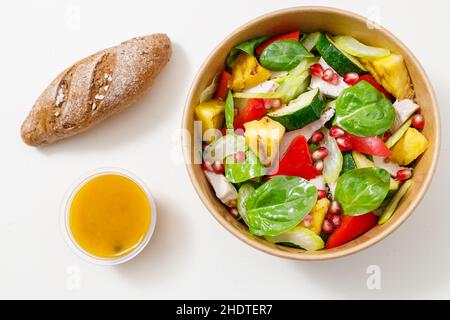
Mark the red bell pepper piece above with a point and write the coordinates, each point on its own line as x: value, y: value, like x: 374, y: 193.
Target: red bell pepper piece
x: 373, y: 146
x: 297, y: 161
x: 222, y: 91
x: 368, y: 78
x: 254, y: 109
x: 290, y: 36
x: 351, y: 228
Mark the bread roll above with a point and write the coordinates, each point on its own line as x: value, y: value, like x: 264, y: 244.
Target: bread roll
x: 95, y: 88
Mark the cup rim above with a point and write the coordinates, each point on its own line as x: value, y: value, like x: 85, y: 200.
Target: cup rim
x: 326, y: 254
x: 65, y: 212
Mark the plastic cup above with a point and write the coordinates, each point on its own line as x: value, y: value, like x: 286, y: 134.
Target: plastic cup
x: 76, y: 248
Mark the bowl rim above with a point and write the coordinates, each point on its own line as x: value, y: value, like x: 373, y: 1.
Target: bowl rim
x: 325, y: 254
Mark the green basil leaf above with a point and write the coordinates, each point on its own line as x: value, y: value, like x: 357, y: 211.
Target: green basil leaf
x: 279, y: 205
x: 248, y: 47
x: 229, y: 111
x: 363, y: 111
x: 283, y: 55
x: 250, y: 168
x: 361, y: 191
x: 244, y: 192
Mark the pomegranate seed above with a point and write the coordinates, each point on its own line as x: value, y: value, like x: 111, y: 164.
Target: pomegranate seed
x: 207, y: 166
x: 329, y: 216
x: 268, y: 104
x: 335, y: 209
x: 335, y: 80
x: 234, y: 212
x: 307, y: 222
x: 316, y: 70
x: 336, y: 132
x: 344, y: 144
x: 351, y: 78
x: 320, y: 154
x: 239, y: 156
x: 272, y: 103
x: 418, y: 121
x: 319, y: 167
x: 336, y: 221
x: 328, y: 75
x: 218, y: 167
x: 316, y: 137
x: 404, y: 174
x: 387, y: 135
x: 321, y: 194
x: 276, y: 103
x: 327, y: 227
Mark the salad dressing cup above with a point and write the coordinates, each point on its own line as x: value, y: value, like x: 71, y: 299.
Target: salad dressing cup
x: 136, y: 234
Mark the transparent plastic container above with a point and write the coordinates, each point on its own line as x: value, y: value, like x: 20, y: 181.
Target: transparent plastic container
x: 76, y: 248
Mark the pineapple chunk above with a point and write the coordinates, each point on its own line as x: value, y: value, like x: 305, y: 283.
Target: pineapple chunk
x: 318, y: 215
x: 263, y: 137
x: 392, y: 73
x: 247, y: 73
x: 211, y: 114
x: 410, y: 147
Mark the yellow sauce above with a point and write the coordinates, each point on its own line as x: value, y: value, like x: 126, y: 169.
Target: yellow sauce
x: 109, y: 216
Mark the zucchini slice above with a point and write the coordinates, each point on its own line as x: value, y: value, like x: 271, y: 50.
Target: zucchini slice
x: 392, y: 206
x: 299, y: 237
x: 300, y: 112
x: 355, y: 48
x: 349, y: 163
x: 340, y: 61
x: 391, y: 142
x: 257, y: 95
x: 311, y: 40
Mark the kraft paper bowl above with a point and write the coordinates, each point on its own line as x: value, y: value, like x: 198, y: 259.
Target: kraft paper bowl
x: 334, y: 21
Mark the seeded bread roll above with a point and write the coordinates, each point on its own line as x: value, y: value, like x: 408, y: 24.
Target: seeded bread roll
x: 95, y: 88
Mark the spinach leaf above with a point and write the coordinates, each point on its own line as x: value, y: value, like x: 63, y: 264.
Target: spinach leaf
x: 279, y: 205
x: 363, y: 111
x: 361, y: 191
x: 229, y: 111
x: 250, y: 168
x: 248, y: 47
x: 244, y: 192
x: 283, y: 55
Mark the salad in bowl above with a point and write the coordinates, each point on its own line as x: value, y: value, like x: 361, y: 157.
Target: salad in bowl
x: 310, y: 140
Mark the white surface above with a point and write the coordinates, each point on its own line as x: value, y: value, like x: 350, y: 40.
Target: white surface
x: 190, y: 256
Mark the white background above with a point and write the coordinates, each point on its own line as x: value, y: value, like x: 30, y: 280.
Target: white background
x: 191, y: 255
